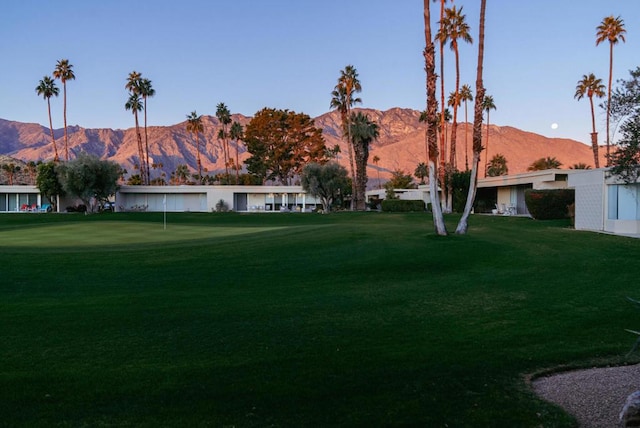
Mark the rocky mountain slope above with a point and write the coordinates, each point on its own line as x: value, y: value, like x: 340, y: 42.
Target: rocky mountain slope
x: 400, y: 146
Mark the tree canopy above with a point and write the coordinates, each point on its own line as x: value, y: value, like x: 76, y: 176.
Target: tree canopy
x: 326, y: 182
x: 90, y: 179
x: 281, y: 143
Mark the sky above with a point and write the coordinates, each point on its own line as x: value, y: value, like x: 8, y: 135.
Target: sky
x: 288, y: 54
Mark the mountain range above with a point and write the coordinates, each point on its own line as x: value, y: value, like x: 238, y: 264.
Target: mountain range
x: 400, y: 145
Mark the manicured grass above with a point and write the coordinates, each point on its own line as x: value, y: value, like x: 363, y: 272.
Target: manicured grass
x: 354, y: 319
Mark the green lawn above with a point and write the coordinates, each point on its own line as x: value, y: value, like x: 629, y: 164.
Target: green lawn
x: 292, y: 320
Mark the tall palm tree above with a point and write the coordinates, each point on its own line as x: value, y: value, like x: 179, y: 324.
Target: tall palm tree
x: 463, y: 223
x: 224, y: 117
x: 47, y: 88
x: 454, y: 28
x: 610, y: 29
x: 431, y: 120
x: 146, y: 91
x: 487, y: 105
x: 195, y: 126
x: 589, y: 85
x: 134, y: 103
x: 64, y: 72
x: 236, y: 133
x: 466, y: 95
x: 443, y: 143
x: 363, y: 132
x: 134, y: 86
x: 342, y: 99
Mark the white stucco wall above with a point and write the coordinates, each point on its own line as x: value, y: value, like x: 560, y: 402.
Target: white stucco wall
x: 590, y: 189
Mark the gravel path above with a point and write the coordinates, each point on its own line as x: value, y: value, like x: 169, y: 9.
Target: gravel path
x: 594, y: 396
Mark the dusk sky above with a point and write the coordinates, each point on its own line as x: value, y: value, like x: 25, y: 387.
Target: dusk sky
x: 252, y: 54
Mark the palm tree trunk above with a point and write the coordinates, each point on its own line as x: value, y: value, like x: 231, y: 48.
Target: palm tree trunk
x: 237, y: 163
x: 431, y: 137
x: 486, y: 148
x: 594, y: 136
x: 53, y: 139
x: 351, y: 163
x: 466, y: 146
x: 477, y: 128
x: 140, y: 149
x: 198, y: 158
x: 609, y: 96
x: 66, y: 144
x: 146, y: 143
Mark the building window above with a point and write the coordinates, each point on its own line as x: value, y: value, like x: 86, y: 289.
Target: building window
x: 623, y: 202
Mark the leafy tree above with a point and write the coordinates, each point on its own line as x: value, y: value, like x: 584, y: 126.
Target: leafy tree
x: 589, y: 85
x: 64, y: 72
x: 325, y: 181
x: 32, y: 169
x: 400, y: 180
x: 544, y: 163
x: 342, y: 99
x: 236, y: 133
x: 431, y: 119
x: 48, y: 183
x: 625, y: 161
x: 421, y: 172
x: 465, y: 96
x: 47, y: 88
x: 463, y: 225
x: 487, y: 105
x: 90, y: 179
x: 281, y: 142
x: 363, y: 132
x: 612, y: 30
x: 460, y: 183
x: 497, y: 166
x: 10, y: 169
x: 224, y: 117
x: 195, y: 126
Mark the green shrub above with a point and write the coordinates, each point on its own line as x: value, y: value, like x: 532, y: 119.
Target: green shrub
x: 549, y: 204
x: 402, y: 205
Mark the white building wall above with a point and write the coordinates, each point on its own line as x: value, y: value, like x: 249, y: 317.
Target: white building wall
x: 590, y: 196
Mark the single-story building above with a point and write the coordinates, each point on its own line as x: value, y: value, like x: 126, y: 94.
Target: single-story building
x: 605, y: 203
x: 504, y: 193
x: 210, y: 198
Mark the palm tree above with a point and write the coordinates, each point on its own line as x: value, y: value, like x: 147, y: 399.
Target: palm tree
x: 421, y: 172
x: 487, y: 105
x: 431, y: 120
x: 376, y: 160
x: 342, y: 99
x: 580, y: 165
x: 47, y: 88
x: 454, y: 28
x: 146, y: 91
x: 181, y: 174
x: 134, y: 103
x: 497, y: 166
x: 463, y: 223
x: 443, y: 146
x: 236, y: 133
x: 64, y: 72
x: 544, y: 163
x: 363, y: 131
x: 11, y: 170
x: 611, y: 29
x: 194, y: 125
x: 589, y: 85
x: 466, y: 95
x: 224, y: 116
x: 134, y: 85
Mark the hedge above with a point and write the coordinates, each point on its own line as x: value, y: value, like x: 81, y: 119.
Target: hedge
x: 549, y: 204
x: 402, y: 205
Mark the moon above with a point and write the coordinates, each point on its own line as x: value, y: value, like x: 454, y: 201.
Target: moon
x: 554, y: 125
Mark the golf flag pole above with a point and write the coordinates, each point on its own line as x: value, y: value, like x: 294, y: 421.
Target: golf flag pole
x: 164, y: 207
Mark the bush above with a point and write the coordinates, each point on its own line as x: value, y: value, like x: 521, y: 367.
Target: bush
x: 549, y: 204
x: 402, y: 205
